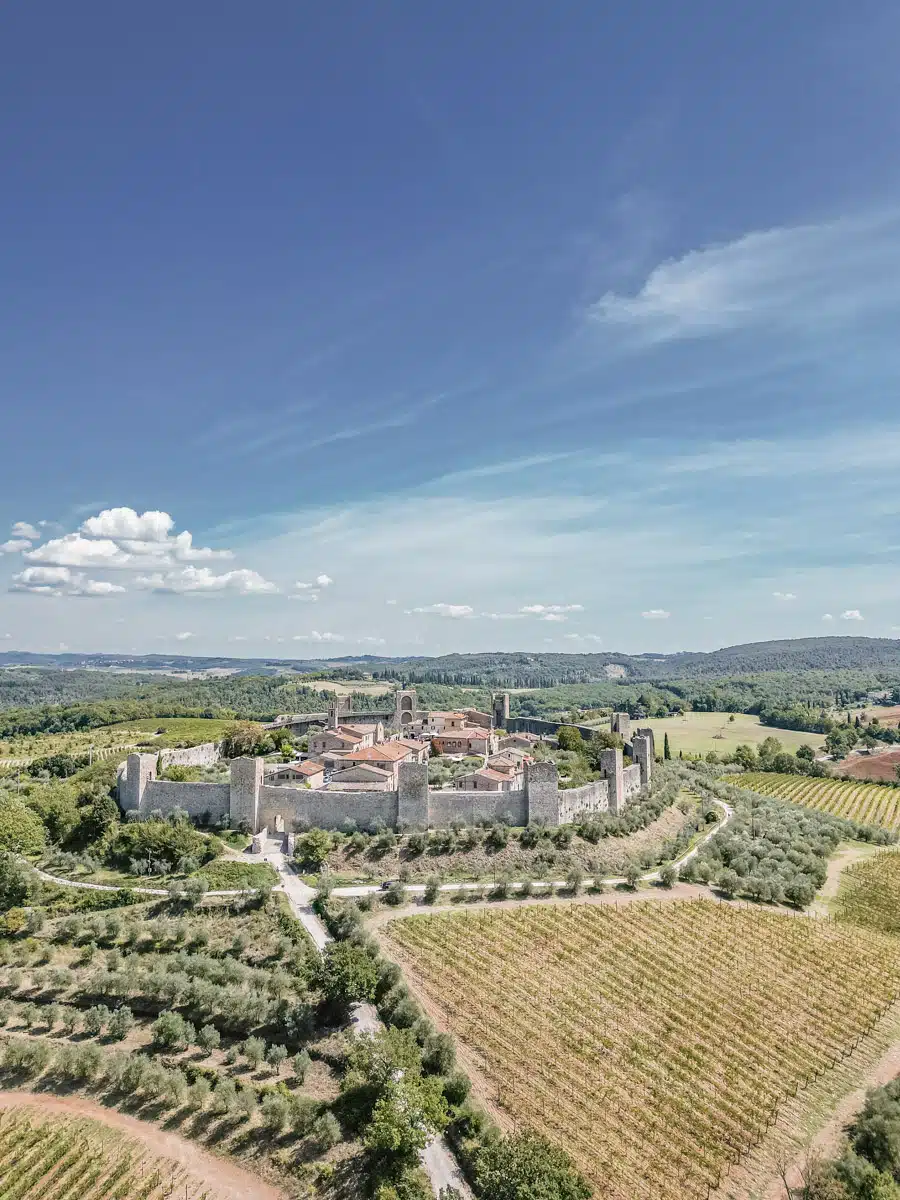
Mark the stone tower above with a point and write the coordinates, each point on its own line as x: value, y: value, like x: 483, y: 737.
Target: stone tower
x: 620, y: 723
x: 405, y: 707
x: 501, y: 710
x: 612, y: 767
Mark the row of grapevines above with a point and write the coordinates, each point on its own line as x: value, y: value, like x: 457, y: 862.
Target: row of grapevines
x: 655, y: 1042
x: 867, y: 803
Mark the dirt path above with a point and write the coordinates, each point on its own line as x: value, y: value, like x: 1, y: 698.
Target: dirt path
x: 681, y: 891
x: 226, y: 1178
x: 845, y: 857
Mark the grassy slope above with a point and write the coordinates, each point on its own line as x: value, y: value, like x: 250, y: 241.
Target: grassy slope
x: 700, y: 732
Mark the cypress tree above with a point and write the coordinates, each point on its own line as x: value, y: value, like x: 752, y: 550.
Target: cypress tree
x: 667, y: 753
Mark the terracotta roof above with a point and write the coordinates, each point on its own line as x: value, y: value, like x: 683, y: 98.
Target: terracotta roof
x: 359, y: 730
x: 490, y: 773
x: 384, y: 752
x: 407, y: 742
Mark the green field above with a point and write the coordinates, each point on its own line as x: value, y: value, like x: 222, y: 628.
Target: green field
x: 867, y: 803
x: 700, y: 732
x: 175, y: 729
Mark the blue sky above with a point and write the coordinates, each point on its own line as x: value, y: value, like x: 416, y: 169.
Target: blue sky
x: 502, y: 326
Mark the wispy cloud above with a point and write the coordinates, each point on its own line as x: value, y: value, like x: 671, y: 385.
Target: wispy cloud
x: 851, y: 614
x: 784, y: 595
x: 785, y: 277
x: 445, y: 610
x: 656, y: 614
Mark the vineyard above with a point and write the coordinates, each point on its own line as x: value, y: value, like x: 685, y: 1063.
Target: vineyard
x: 867, y: 803
x: 870, y: 893
x: 654, y: 1042
x: 53, y: 1158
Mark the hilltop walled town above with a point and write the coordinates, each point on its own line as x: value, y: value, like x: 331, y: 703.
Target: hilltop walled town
x: 371, y: 768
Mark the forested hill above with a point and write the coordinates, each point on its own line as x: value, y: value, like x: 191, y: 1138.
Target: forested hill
x: 520, y: 669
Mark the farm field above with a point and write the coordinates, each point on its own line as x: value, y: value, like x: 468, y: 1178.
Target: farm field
x: 174, y: 729
x: 700, y: 732
x: 869, y: 893
x: 880, y: 765
x: 124, y: 735
x: 49, y: 1155
x: 660, y: 1040
x: 199, y: 1018
x: 867, y: 803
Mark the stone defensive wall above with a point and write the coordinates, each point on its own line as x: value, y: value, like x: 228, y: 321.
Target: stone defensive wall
x: 249, y: 802
x: 544, y: 728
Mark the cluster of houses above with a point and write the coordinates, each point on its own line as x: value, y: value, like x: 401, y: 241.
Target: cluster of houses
x: 360, y: 755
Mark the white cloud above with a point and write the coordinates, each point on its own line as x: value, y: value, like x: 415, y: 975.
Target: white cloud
x: 121, y: 538
x: 553, y: 616
x: 656, y: 614
x: 14, y: 545
x: 582, y: 637
x: 851, y: 614
x: 784, y: 595
x: 60, y: 581
x: 445, y: 610
x: 73, y: 550
x: 5, y: 637
x: 183, y: 637
x: 304, y: 587
x: 238, y: 637
x: 22, y: 529
x: 324, y: 581
x: 516, y: 616
x: 827, y: 617
x: 536, y: 609
x: 795, y: 277
x: 315, y: 636
x: 201, y: 580
x: 371, y: 641
x: 390, y: 602
x: 119, y: 523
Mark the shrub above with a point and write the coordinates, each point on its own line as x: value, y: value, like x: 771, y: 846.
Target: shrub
x: 159, y: 842
x: 172, y: 1031
x: 668, y: 875
x: 313, y: 848
x: 275, y: 1057
x: 254, y: 1050
x: 96, y: 1018
x: 432, y: 889
x: 21, y: 830
x: 120, y: 1024
x: 349, y: 975
x: 208, y: 1038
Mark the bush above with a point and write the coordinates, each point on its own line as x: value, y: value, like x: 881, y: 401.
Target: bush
x: 432, y: 889
x: 668, y: 876
x: 171, y: 1031
x: 21, y: 830
x: 120, y: 1024
x: 349, y: 974
x: 208, y: 1038
x: 159, y: 841
x: 312, y: 849
x: 524, y: 1164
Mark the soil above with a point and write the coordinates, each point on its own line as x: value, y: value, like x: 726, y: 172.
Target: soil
x: 227, y: 1180
x: 608, y: 857
x: 880, y: 765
